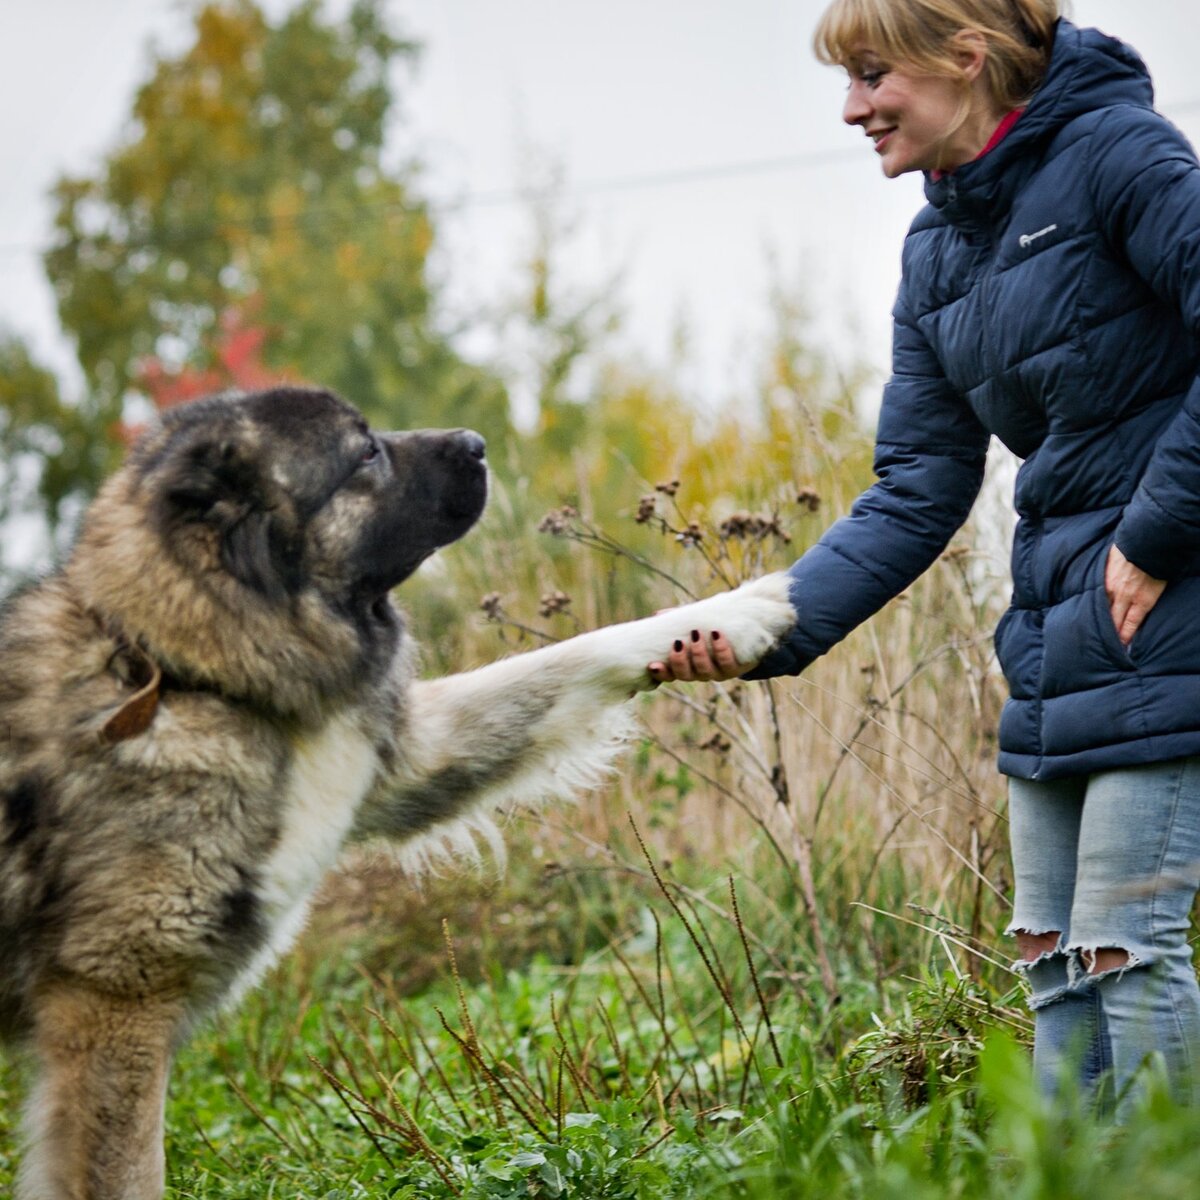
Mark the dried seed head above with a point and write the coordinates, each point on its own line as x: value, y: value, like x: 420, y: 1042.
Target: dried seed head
x: 808, y: 499
x: 669, y: 488
x: 553, y: 602
x: 716, y: 741
x: 491, y: 605
x: 753, y: 525
x: 735, y: 526
x: 646, y: 510
x: 693, y: 535
x: 558, y: 520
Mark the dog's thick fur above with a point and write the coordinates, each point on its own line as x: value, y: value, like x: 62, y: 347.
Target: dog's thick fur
x: 209, y: 699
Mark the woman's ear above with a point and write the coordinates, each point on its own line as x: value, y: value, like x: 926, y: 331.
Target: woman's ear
x: 970, y: 48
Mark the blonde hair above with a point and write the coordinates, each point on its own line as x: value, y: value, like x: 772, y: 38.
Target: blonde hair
x: 920, y: 36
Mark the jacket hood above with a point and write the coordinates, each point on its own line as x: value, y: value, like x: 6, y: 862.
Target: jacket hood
x: 1088, y: 71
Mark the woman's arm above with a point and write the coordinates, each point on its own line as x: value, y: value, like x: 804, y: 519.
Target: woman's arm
x: 929, y: 458
x: 1146, y: 191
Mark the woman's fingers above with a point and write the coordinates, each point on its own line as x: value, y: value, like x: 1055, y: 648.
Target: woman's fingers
x: 689, y: 658
x: 1131, y: 593
x: 696, y: 658
x: 723, y: 656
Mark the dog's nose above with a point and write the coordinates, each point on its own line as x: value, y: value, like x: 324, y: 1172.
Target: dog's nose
x: 473, y: 444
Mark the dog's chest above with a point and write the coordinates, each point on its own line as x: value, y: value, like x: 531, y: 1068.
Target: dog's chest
x: 329, y: 776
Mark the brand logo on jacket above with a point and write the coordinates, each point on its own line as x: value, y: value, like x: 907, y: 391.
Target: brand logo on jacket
x: 1027, y: 239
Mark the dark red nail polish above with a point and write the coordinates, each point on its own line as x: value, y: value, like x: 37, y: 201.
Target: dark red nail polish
x: 678, y: 647
x: 695, y: 635
x: 716, y: 636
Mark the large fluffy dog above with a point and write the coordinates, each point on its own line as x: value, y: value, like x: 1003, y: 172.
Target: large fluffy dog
x: 209, y: 699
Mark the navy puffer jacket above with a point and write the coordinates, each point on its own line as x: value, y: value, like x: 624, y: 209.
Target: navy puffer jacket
x: 1050, y: 296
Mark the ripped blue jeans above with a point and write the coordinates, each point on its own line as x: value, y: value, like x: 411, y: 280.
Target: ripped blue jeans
x: 1111, y: 861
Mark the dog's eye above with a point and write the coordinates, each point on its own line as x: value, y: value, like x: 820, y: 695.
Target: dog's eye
x: 371, y: 453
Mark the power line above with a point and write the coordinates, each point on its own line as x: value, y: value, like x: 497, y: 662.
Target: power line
x: 487, y: 199
x: 652, y: 179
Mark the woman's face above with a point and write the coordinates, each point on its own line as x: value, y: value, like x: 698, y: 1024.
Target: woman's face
x: 914, y: 120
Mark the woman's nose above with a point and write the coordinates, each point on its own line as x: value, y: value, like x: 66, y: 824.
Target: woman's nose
x: 857, y: 107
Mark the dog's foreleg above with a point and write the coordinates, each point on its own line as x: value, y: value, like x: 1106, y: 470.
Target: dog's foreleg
x: 533, y: 727
x: 93, y: 1127
x: 547, y: 723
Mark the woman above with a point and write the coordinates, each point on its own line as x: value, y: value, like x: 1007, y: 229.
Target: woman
x: 1050, y: 296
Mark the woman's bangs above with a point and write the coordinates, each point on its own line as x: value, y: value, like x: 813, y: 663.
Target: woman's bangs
x: 847, y: 28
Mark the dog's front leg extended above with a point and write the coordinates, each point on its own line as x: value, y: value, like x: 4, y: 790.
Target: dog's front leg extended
x: 536, y: 726
x: 547, y: 723
x: 93, y: 1127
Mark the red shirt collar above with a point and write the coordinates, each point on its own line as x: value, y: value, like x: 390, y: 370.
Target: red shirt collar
x: 998, y: 135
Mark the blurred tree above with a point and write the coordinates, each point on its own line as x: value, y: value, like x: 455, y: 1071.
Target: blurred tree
x: 566, y: 333
x: 554, y: 339
x: 250, y: 194
x: 44, y: 444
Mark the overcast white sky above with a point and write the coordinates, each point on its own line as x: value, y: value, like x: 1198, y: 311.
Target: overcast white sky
x: 722, y: 94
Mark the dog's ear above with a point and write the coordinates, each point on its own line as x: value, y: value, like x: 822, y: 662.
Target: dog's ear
x: 216, y: 480
x: 207, y: 473
x: 256, y: 552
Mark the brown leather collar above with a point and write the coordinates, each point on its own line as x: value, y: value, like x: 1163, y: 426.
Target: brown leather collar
x: 132, y: 664
x: 136, y: 714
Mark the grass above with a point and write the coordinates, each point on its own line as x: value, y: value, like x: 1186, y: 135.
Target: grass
x: 627, y: 1072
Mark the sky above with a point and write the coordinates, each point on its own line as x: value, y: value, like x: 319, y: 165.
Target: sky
x: 698, y: 147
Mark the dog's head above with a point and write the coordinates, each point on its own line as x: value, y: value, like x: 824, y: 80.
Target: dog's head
x: 292, y: 491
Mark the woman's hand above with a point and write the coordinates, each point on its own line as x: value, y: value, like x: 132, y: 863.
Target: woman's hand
x: 1131, y: 594
x: 697, y: 657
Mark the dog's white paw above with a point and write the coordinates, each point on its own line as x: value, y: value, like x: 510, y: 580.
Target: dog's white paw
x: 752, y: 617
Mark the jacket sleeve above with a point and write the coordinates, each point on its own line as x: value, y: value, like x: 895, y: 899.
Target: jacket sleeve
x: 929, y: 457
x: 1146, y: 189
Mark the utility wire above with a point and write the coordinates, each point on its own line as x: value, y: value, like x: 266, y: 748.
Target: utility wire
x: 484, y: 199
x: 489, y: 199
x: 653, y: 179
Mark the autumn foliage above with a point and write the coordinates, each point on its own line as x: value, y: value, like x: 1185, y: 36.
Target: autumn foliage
x: 236, y: 363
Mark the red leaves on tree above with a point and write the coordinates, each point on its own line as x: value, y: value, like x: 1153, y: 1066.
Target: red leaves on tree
x: 237, y: 363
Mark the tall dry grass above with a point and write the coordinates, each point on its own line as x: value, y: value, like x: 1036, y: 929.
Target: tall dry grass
x: 859, y: 796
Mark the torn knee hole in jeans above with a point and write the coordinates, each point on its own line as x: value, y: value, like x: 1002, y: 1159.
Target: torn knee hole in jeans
x: 1043, y: 964
x: 1058, y: 969
x: 1099, y: 962
x: 1036, y: 945
x: 1095, y: 960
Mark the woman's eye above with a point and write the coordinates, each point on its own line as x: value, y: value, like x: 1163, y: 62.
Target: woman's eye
x: 869, y: 77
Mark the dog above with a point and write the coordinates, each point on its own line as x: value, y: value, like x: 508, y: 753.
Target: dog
x: 210, y: 698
